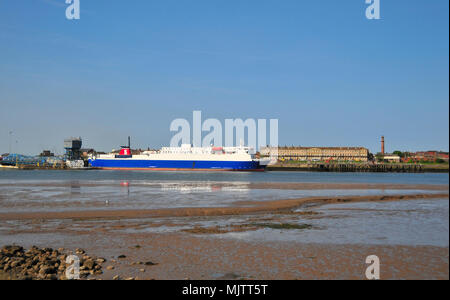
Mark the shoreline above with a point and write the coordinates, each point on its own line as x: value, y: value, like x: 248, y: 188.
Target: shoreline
x: 327, y: 168
x: 360, y: 168
x: 249, y: 185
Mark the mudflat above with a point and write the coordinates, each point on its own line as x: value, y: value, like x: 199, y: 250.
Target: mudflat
x: 239, y: 240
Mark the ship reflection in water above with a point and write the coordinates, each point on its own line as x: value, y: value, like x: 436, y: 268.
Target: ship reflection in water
x: 75, y: 188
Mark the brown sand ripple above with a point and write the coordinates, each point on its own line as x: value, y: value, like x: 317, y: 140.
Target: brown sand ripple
x: 242, y: 208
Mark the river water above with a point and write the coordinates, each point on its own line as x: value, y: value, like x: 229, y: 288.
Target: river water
x: 26, y: 191
x: 99, y: 175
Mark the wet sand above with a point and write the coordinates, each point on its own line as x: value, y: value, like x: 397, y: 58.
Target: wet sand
x: 181, y: 256
x: 192, y: 252
x: 241, y: 208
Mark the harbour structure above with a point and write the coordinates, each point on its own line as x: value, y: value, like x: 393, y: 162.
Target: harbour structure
x: 74, y: 154
x: 298, y: 153
x: 46, y: 153
x: 26, y: 161
x: 73, y: 147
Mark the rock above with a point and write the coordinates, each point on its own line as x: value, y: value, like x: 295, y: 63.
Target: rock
x: 89, y: 264
x: 79, y: 251
x: 142, y: 270
x: 51, y: 277
x: 14, y: 264
x: 110, y: 268
x: 11, y: 250
x: 100, y: 260
x: 45, y: 270
x: 116, y: 277
x: 43, y: 264
x: 122, y: 256
x: 149, y: 263
x: 84, y: 274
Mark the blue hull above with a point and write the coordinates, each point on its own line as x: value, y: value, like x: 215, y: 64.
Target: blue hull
x: 134, y: 164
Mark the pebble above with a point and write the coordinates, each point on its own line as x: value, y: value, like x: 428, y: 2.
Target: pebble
x: 43, y: 264
x: 49, y: 264
x: 100, y: 260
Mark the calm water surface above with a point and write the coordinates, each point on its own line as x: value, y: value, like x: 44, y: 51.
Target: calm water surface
x: 310, y: 177
x: 417, y: 222
x: 90, y: 190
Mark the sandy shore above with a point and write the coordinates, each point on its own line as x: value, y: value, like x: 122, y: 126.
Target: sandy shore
x: 190, y: 252
x: 177, y: 256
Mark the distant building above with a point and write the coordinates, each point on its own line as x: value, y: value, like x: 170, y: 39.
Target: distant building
x: 391, y: 158
x: 430, y: 156
x: 46, y: 153
x: 319, y: 153
x: 86, y: 152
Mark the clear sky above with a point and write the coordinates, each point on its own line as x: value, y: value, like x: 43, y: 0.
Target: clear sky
x: 331, y: 77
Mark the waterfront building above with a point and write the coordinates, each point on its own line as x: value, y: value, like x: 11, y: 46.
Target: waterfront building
x: 391, y: 158
x: 318, y: 153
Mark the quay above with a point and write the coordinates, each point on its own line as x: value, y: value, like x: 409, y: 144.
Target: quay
x: 359, y: 167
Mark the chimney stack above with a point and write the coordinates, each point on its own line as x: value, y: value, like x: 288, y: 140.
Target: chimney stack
x: 382, y: 145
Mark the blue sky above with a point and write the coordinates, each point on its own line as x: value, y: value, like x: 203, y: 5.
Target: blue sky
x: 331, y: 77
